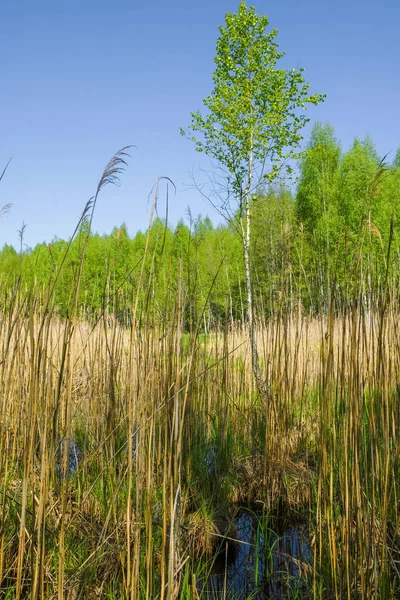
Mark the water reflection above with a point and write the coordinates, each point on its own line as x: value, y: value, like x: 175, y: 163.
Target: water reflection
x: 264, y: 565
x: 74, y: 456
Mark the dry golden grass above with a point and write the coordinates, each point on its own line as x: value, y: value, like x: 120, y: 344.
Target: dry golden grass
x: 148, y: 407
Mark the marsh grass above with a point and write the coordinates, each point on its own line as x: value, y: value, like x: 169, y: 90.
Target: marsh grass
x: 127, y: 445
x: 195, y: 443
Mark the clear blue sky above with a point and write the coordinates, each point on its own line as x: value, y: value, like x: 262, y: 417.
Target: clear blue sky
x: 82, y: 78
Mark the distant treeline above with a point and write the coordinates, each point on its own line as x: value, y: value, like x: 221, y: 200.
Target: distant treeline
x: 338, y: 234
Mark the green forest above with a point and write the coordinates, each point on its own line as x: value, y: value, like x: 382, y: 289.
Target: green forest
x: 307, y: 238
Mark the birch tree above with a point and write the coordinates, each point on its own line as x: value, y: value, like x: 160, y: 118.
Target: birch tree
x: 252, y: 124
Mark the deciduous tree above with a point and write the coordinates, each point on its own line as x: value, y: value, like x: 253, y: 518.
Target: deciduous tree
x: 253, y: 122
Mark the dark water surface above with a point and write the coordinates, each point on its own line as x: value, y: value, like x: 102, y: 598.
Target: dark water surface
x: 74, y: 456
x: 262, y: 565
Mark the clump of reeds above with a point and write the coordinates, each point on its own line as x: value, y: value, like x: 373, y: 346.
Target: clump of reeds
x: 115, y: 434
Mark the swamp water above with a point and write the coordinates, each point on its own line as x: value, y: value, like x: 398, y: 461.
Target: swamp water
x: 74, y: 456
x: 261, y: 564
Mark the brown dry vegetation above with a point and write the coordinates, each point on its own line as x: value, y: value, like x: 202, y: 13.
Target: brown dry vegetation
x: 167, y: 428
x: 125, y: 449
